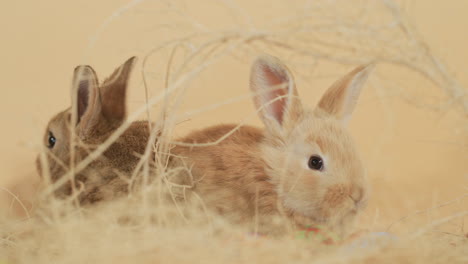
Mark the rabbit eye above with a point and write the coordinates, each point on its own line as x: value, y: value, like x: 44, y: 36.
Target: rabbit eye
x: 51, y: 140
x: 316, y: 163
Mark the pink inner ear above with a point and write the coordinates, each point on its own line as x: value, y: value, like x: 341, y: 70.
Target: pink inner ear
x: 83, y: 98
x: 276, y: 80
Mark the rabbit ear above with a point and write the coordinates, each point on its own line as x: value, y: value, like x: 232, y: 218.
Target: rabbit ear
x: 341, y: 98
x: 114, y: 91
x: 86, y: 82
x: 274, y: 92
x: 105, y: 103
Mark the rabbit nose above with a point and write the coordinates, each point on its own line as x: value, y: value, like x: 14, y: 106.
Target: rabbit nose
x: 356, y: 201
x: 357, y: 195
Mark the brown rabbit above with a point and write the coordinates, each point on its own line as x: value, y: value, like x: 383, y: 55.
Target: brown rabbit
x: 101, y: 109
x: 303, y: 165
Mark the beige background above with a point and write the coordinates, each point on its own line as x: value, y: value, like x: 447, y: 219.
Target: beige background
x: 416, y: 158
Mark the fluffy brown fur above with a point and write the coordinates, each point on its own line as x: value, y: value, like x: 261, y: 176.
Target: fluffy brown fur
x: 256, y: 176
x: 101, y: 110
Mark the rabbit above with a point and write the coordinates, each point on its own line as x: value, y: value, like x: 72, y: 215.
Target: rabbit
x: 302, y: 167
x: 101, y: 109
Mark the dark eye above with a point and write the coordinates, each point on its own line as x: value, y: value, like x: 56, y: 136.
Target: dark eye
x: 51, y: 140
x: 316, y: 163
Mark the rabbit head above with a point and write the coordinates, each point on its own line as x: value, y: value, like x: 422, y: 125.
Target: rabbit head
x: 310, y: 155
x: 69, y: 139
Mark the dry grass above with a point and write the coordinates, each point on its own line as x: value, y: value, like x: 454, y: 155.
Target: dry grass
x: 127, y: 232
x: 146, y: 227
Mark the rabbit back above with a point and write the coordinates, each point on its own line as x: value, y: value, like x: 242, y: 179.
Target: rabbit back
x: 229, y: 176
